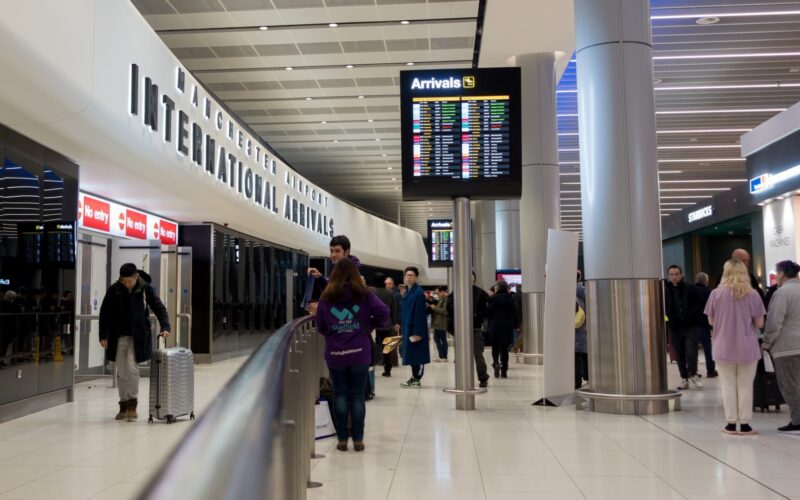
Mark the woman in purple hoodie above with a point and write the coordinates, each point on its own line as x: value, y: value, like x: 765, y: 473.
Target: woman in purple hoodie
x: 347, y: 313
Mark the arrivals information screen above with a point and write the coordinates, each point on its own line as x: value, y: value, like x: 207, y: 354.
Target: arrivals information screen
x: 461, y: 133
x: 440, y: 242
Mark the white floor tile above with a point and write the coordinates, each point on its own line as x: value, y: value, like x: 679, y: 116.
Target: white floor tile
x: 420, y: 447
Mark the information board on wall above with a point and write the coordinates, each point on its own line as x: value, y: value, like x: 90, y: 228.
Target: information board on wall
x: 461, y: 133
x: 441, y: 243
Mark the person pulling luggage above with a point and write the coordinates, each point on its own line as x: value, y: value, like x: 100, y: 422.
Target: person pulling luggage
x: 125, y: 331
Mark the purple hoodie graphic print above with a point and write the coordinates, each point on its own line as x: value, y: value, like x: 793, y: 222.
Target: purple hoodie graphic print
x: 347, y: 326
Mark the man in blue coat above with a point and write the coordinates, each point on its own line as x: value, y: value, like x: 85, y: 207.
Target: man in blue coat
x: 416, y: 351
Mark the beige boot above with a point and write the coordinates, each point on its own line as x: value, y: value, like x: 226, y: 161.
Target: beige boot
x: 123, y: 411
x: 131, y: 414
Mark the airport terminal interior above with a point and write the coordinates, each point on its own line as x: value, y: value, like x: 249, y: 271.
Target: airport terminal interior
x: 400, y: 249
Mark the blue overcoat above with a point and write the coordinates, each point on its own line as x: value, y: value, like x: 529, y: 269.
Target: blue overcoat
x: 415, y: 322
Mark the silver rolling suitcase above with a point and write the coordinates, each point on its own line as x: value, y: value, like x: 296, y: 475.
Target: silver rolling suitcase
x: 171, y: 384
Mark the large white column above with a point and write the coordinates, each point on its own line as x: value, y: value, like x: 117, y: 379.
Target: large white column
x: 621, y: 220
x: 539, y: 205
x: 507, y: 234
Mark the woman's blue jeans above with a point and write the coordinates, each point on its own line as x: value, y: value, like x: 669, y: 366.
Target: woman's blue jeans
x: 348, y: 400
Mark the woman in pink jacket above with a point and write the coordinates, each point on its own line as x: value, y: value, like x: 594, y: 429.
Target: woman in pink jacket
x: 736, y: 313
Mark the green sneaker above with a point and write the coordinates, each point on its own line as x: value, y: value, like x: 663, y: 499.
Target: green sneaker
x: 412, y: 383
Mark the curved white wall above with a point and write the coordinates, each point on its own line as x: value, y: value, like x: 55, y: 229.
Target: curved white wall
x: 66, y: 83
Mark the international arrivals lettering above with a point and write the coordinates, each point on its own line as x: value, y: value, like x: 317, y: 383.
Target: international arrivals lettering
x: 239, y: 162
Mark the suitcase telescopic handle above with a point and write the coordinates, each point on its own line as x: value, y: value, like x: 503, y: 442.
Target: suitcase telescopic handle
x: 161, y: 339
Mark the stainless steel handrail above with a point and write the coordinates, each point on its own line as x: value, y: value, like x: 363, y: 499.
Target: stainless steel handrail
x: 256, y: 438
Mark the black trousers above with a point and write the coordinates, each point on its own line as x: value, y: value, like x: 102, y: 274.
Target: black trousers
x: 581, y: 368
x: 500, y: 354
x: 480, y: 361
x: 684, y: 341
x: 390, y: 359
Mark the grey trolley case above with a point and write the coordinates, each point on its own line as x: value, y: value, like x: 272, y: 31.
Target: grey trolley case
x: 171, y: 384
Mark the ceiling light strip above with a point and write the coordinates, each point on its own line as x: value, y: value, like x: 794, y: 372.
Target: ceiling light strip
x: 329, y: 66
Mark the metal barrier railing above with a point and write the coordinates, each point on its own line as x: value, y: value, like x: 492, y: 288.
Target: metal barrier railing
x: 256, y: 438
x: 589, y: 396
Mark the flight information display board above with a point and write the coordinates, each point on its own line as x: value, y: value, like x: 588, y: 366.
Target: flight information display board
x: 461, y: 133
x: 441, y: 242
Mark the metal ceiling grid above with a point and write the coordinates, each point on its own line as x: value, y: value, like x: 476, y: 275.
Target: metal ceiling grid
x: 721, y: 67
x: 714, y: 81
x: 337, y: 109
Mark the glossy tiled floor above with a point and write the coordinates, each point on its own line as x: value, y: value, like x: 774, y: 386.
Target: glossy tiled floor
x: 419, y: 447
x: 78, y: 451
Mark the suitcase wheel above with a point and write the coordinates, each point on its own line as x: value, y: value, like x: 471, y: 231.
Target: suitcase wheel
x: 150, y: 420
x: 191, y: 416
x: 170, y: 419
x: 778, y: 408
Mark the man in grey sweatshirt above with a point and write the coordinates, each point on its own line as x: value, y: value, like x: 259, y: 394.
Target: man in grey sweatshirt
x: 782, y: 339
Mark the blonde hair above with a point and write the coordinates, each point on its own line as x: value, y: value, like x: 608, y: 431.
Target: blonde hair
x: 736, y: 277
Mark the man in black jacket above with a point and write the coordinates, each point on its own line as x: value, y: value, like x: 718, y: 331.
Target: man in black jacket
x: 701, y: 283
x: 480, y: 307
x: 125, y: 331
x: 387, y: 297
x: 683, y: 320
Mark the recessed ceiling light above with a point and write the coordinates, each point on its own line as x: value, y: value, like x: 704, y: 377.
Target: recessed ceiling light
x: 704, y: 131
x: 349, y: 66
x: 794, y: 70
x: 361, y: 97
x: 404, y: 21
x: 263, y: 28
x: 657, y: 80
x: 336, y: 140
x: 409, y: 63
x: 289, y: 68
x: 396, y: 188
x: 394, y: 178
x: 323, y: 122
x: 698, y: 160
x: 384, y: 154
x: 370, y: 120
x: 377, y: 139
x: 308, y: 98
x: 692, y: 139
x: 333, y: 25
x: 727, y: 55
x: 704, y: 21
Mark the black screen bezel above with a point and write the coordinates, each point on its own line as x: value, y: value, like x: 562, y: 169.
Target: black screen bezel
x: 489, y: 81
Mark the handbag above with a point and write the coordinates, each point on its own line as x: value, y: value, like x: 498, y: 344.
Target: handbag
x: 580, y: 315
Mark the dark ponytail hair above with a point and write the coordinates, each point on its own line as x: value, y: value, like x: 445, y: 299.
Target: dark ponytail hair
x: 788, y: 268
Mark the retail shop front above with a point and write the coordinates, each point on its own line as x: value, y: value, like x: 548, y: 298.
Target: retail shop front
x: 773, y: 166
x: 701, y: 237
